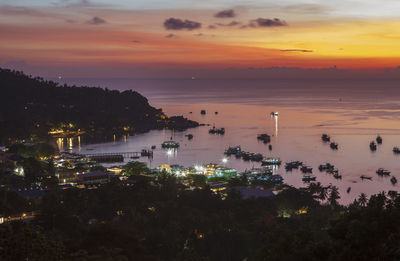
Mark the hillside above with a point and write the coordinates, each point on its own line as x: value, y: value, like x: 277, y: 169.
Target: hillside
x: 31, y: 107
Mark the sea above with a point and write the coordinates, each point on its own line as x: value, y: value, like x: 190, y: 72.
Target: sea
x: 352, y: 112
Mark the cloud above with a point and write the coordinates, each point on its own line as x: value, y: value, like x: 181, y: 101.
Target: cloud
x: 179, y: 24
x: 266, y: 22
x: 170, y: 36
x: 199, y: 34
x: 225, y: 14
x: 96, y: 21
x: 297, y: 50
x: 211, y: 26
x: 136, y: 41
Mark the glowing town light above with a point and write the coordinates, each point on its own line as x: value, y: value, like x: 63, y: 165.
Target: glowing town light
x: 224, y: 160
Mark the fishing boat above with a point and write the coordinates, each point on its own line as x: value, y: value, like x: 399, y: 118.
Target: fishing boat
x: 146, y: 153
x: 189, y: 136
x: 337, y: 176
x: 170, y: 144
x: 233, y: 151
x: 308, y: 178
x: 203, y: 112
x: 216, y: 131
x: 396, y: 150
x: 274, y: 113
x: 379, y: 139
x: 271, y: 161
x: 365, y: 177
x: 372, y: 146
x: 306, y: 169
x: 264, y: 137
x: 325, y: 138
x: 348, y: 190
x: 393, y: 180
x: 293, y: 165
x: 383, y: 172
x: 334, y: 146
x: 270, y: 147
x: 326, y: 167
x: 153, y: 147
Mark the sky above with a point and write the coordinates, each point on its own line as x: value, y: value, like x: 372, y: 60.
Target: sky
x: 155, y: 38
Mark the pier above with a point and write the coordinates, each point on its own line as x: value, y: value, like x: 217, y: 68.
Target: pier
x: 116, y: 156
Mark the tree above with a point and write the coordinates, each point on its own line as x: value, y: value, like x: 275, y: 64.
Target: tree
x: 134, y: 168
x: 333, y: 196
x: 362, y: 199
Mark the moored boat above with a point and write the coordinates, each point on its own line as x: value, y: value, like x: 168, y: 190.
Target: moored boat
x: 271, y: 161
x: 383, y: 172
x: 379, y: 139
x: 170, y: 144
x: 372, y: 146
x: 325, y: 138
x: 334, y: 145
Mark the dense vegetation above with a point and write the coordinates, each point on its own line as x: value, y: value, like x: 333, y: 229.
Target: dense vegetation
x: 30, y: 107
x: 156, y: 219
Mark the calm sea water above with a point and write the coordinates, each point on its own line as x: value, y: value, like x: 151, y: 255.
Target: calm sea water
x: 353, y: 113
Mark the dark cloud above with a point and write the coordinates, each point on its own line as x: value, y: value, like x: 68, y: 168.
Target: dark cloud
x: 226, y: 14
x: 266, y: 22
x: 96, y: 20
x: 297, y: 50
x: 212, y: 26
x: 170, y: 36
x: 179, y: 24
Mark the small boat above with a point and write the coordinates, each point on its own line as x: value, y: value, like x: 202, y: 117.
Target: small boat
x: 348, y: 190
x: 274, y: 113
x: 189, y: 136
x: 233, y: 151
x: 203, y: 112
x: 325, y: 138
x: 217, y: 131
x: 270, y: 147
x: 306, y: 169
x: 337, y: 176
x: 379, y: 139
x: 393, y: 180
x: 170, y: 144
x: 271, y: 161
x: 190, y: 112
x: 308, y: 178
x: 264, y: 137
x: 293, y: 165
x: 256, y: 157
x: 153, y: 147
x: 216, y: 113
x: 382, y: 172
x: 365, y: 177
x: 334, y: 146
x: 146, y: 153
x: 326, y: 167
x: 396, y: 150
x: 372, y: 146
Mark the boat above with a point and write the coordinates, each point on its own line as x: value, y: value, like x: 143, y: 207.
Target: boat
x: 332, y: 171
x: 293, y: 165
x: 146, y: 153
x: 325, y: 138
x: 326, y: 167
x: 216, y: 131
x: 348, y: 190
x: 233, y: 151
x: 153, y: 147
x: 256, y: 157
x: 379, y: 139
x: 203, y: 112
x: 189, y: 136
x: 308, y: 178
x: 372, y: 146
x: 274, y: 113
x: 383, y: 172
x: 270, y: 147
x: 396, y: 150
x: 271, y: 161
x: 306, y: 169
x: 264, y: 137
x: 170, y: 144
x: 334, y: 146
x: 365, y: 177
x: 393, y: 180
x: 216, y: 113
x: 276, y: 179
x: 337, y: 176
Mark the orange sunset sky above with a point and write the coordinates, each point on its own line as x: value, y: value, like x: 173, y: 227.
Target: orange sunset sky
x: 80, y: 37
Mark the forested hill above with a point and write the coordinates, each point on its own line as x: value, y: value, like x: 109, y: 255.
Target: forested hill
x: 33, y: 106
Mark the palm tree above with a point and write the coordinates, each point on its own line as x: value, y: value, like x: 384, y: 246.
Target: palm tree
x: 333, y: 196
x: 362, y: 199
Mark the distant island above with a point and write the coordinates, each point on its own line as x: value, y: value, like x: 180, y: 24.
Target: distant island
x: 32, y: 107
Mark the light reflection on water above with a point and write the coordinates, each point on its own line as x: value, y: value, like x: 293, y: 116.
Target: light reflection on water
x: 351, y: 121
